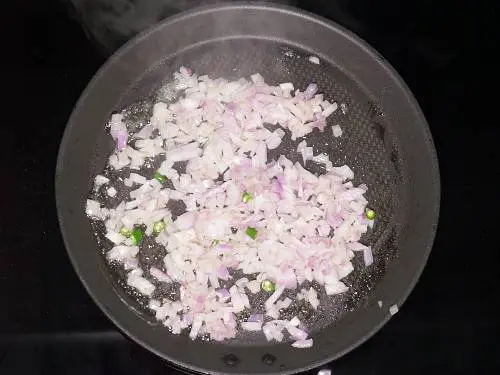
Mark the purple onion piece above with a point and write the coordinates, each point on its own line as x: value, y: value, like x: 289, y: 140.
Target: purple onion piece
x: 223, y: 273
x: 256, y: 318
x: 311, y: 90
x: 121, y: 141
x: 223, y: 293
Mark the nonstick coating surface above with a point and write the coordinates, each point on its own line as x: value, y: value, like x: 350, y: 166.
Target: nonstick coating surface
x: 386, y: 142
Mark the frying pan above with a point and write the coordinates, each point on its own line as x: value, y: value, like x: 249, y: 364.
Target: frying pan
x: 386, y: 142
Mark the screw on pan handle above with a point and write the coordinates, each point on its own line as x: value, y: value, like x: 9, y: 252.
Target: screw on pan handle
x: 269, y: 359
x: 230, y: 360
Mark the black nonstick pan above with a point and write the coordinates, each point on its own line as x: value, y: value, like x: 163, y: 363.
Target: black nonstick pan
x: 386, y: 142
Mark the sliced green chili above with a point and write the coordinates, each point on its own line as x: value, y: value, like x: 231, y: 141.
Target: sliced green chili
x: 251, y: 232
x: 370, y: 214
x: 268, y: 286
x: 126, y: 232
x: 137, y: 235
x: 247, y: 197
x: 160, y: 178
x: 159, y: 226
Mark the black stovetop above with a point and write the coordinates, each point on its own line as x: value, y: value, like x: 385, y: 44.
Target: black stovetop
x: 449, y: 324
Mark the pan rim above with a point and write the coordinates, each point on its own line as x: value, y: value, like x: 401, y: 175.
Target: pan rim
x: 390, y: 71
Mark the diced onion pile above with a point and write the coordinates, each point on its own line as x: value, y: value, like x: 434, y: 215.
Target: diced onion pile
x: 303, y: 226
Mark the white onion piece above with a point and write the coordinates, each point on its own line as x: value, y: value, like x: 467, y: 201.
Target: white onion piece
x: 145, y: 132
x: 314, y: 60
x: 111, y: 191
x: 356, y: 246
x: 130, y: 264
x: 182, y: 154
x: 268, y: 332
x: 237, y: 300
x: 159, y: 275
x: 251, y: 326
x: 185, y: 221
x: 286, y: 86
x: 284, y: 304
x: 93, y: 209
x: 296, y: 333
x: 336, y: 287
x: 307, y: 154
x: 121, y: 253
x: 302, y: 145
x: 223, y: 294
x: 368, y: 256
x: 138, y: 179
x: 337, y: 131
x: 303, y: 344
x: 345, y: 172
x: 274, y: 297
x: 100, y: 180
x: 114, y: 237
x: 393, y: 309
x: 135, y: 280
x: 195, y: 327
x: 294, y: 322
x: 330, y: 109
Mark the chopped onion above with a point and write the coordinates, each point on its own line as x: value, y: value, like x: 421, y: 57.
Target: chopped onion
x: 330, y: 109
x: 302, y: 344
x: 251, y: 326
x: 138, y: 179
x: 118, y: 131
x: 185, y: 221
x: 292, y: 225
x: 195, y: 327
x: 121, y: 253
x: 393, y: 309
x: 296, y: 333
x: 274, y: 297
x: 100, y: 180
x: 187, y: 152
x: 256, y: 318
x: 111, y: 191
x: 314, y: 60
x: 368, y: 256
x: 135, y: 280
x: 336, y: 287
x: 114, y: 237
x: 337, y: 131
x: 294, y: 322
x: 302, y: 145
x: 307, y: 154
x: 159, y: 275
x: 268, y: 332
x: 310, y: 91
x: 223, y: 294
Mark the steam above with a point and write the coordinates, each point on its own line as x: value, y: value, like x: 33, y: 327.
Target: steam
x: 112, y: 22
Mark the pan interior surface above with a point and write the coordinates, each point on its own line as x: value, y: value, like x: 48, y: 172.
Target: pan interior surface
x: 385, y: 141
x: 362, y: 146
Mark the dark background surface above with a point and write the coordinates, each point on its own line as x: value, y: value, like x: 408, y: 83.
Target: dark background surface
x: 449, y: 324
